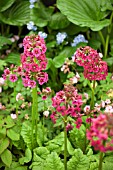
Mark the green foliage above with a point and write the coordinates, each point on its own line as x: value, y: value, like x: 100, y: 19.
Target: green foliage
x: 5, y: 4
x: 78, y: 161
x: 6, y: 157
x: 16, y: 166
x: 13, y: 135
x: 4, y: 41
x: 13, y: 58
x: 27, y: 158
x: 88, y: 13
x: 4, y: 143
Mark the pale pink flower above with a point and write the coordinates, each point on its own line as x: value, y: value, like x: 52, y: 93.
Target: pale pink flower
x: 87, y: 108
x: 46, y: 113
x: 13, y: 116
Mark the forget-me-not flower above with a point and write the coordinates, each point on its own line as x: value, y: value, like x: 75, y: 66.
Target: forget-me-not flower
x: 31, y: 26
x: 42, y: 34
x: 32, y: 3
x: 60, y: 37
x: 78, y: 39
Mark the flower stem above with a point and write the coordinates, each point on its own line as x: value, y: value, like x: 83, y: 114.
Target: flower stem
x: 100, y: 161
x: 102, y: 38
x: 92, y: 97
x: 35, y: 116
x: 65, y: 144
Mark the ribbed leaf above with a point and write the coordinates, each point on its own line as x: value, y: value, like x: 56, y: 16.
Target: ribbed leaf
x: 5, y: 4
x: 85, y: 13
x: 4, y: 41
x: 18, y: 14
x: 13, y: 58
x: 58, y: 21
x: 78, y: 161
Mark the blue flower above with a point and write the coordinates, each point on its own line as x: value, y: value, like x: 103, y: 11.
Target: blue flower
x: 31, y: 26
x: 60, y: 37
x: 31, y: 6
x: 78, y: 39
x: 32, y: 1
x: 42, y: 34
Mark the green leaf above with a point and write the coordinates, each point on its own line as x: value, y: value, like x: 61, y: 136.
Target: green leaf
x: 5, y: 4
x: 13, y: 58
x: 4, y: 143
x: 6, y: 157
x: 2, y: 64
x: 16, y: 166
x: 85, y: 13
x: 40, y: 152
x: 59, y: 60
x: 2, y: 133
x: 18, y: 14
x: 53, y: 162
x: 50, y: 61
x: 27, y: 158
x: 58, y: 21
x: 9, y: 122
x: 4, y: 41
x: 13, y: 135
x: 78, y: 161
x: 109, y: 61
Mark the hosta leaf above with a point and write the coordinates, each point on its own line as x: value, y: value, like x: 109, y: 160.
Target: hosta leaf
x: 6, y: 157
x: 85, y: 13
x: 58, y: 21
x: 78, y: 161
x: 4, y: 41
x: 27, y: 158
x: 4, y: 144
x: 18, y: 14
x: 13, y: 58
x: 5, y: 4
x: 53, y: 162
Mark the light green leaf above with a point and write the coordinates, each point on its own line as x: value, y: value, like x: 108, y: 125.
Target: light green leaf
x: 4, y: 41
x: 85, y: 13
x: 13, y: 135
x: 6, y: 157
x: 16, y: 166
x: 4, y: 143
x: 13, y: 58
x: 53, y: 162
x: 2, y: 133
x: 5, y: 4
x: 41, y: 152
x: 9, y: 122
x: 78, y: 161
x: 58, y: 21
x: 2, y: 64
x: 59, y: 60
x: 27, y: 158
x: 18, y: 14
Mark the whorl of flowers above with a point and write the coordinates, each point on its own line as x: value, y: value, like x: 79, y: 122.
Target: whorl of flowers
x: 100, y: 133
x: 67, y: 102
x: 90, y: 59
x: 34, y: 61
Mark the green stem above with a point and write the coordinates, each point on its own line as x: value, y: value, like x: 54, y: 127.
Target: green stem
x: 92, y: 97
x: 35, y: 115
x: 100, y: 161
x: 102, y: 38
x: 65, y: 144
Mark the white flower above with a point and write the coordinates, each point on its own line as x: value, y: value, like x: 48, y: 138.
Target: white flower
x: 13, y: 116
x: 46, y: 113
x: 109, y: 109
x: 18, y: 96
x: 107, y: 101
x: 87, y: 108
x: 0, y: 89
x: 86, y: 95
x: 100, y: 55
x: 103, y: 103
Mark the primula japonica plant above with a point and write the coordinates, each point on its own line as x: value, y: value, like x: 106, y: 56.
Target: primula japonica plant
x: 33, y: 61
x: 67, y: 103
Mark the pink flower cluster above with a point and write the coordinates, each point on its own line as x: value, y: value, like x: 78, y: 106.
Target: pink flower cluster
x: 34, y: 61
x: 100, y: 133
x: 90, y: 59
x: 67, y: 102
x: 10, y: 74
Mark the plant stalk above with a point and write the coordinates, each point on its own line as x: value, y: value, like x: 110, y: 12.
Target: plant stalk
x: 92, y: 97
x: 100, y: 161
x: 102, y: 38
x: 65, y: 144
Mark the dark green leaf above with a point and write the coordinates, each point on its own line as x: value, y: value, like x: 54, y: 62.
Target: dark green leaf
x: 5, y: 4
x: 27, y: 158
x: 13, y: 58
x: 4, y: 41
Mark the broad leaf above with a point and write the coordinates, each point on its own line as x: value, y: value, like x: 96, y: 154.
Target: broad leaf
x: 78, y: 161
x: 16, y: 166
x: 85, y: 13
x: 109, y: 61
x: 5, y: 4
x: 18, y: 14
x: 4, y: 41
x: 53, y: 162
x: 4, y: 144
x: 2, y: 133
x: 27, y: 158
x: 58, y: 21
x: 13, y: 135
x: 6, y: 157
x: 13, y: 58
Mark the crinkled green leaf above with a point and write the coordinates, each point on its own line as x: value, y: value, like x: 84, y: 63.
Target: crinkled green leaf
x: 53, y: 162
x: 78, y: 161
x: 5, y: 4
x: 16, y: 166
x: 18, y: 14
x: 58, y: 21
x: 41, y: 152
x: 27, y: 158
x: 85, y: 13
x: 13, y: 135
x: 6, y: 157
x: 4, y: 143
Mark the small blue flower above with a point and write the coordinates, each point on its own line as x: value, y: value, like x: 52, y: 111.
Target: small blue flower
x: 32, y: 1
x: 78, y: 39
x: 60, y: 37
x: 31, y: 26
x: 42, y: 34
x: 31, y: 6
